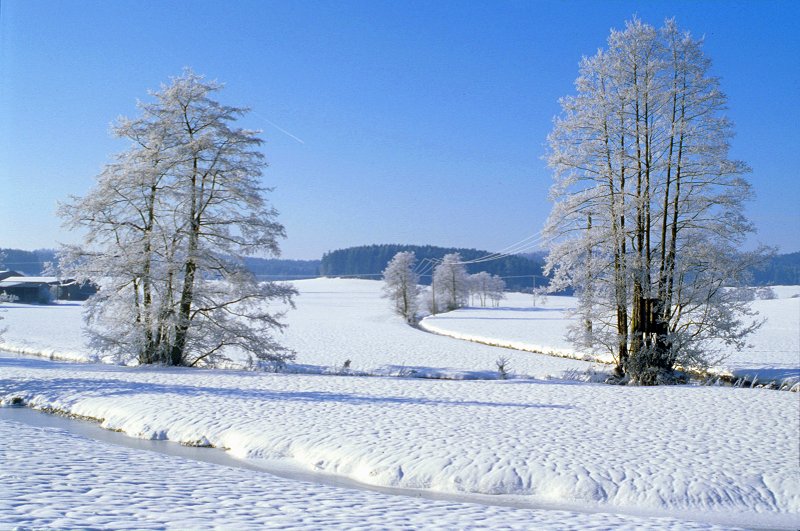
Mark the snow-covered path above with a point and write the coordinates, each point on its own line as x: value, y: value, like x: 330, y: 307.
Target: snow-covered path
x: 719, y: 455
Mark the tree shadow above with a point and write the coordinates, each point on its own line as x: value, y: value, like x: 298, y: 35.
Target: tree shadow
x: 110, y: 386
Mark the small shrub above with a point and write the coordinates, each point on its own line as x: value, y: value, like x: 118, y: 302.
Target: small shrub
x: 766, y: 293
x: 503, y: 367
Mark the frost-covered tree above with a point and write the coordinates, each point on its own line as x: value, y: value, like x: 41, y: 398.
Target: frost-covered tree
x: 487, y: 288
x: 401, y: 285
x: 497, y: 290
x: 167, y: 227
x: 429, y: 301
x: 648, y: 220
x: 479, y: 287
x: 451, y: 282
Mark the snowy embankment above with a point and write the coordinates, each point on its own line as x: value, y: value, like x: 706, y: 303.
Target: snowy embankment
x: 516, y: 324
x: 106, y: 486
x: 53, y: 331
x: 773, y: 353
x: 720, y: 455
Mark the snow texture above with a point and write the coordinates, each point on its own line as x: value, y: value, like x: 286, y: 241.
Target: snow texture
x: 56, y: 479
x: 720, y: 455
x: 338, y: 320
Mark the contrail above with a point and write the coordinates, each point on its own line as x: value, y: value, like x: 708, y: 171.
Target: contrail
x: 281, y: 129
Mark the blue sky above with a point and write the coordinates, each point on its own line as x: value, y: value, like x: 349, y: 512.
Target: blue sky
x: 385, y: 121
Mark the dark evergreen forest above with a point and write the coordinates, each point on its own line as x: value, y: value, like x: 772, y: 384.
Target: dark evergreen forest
x: 368, y: 261
x: 782, y: 269
x: 276, y: 269
x: 29, y: 263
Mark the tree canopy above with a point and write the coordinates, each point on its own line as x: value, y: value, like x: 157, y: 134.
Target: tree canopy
x: 648, y: 216
x: 168, y: 225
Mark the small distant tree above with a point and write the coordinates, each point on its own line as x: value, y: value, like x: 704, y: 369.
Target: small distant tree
x: 497, y: 290
x: 479, y: 287
x: 487, y: 288
x: 401, y: 285
x: 451, y: 282
x: 168, y: 225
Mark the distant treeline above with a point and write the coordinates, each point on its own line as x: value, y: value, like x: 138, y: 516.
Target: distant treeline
x: 274, y: 269
x: 29, y: 263
x: 782, y: 269
x: 369, y: 261
x: 32, y: 263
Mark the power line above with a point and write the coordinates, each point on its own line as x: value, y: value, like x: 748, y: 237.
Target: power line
x: 524, y: 244
x: 528, y: 243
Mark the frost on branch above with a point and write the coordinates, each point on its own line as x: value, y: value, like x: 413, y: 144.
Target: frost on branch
x: 167, y: 226
x: 401, y: 285
x: 647, y: 222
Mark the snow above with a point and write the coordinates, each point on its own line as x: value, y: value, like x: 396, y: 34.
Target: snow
x: 516, y: 324
x: 53, y: 478
x: 773, y: 352
x: 335, y: 320
x: 23, y: 279
x: 51, y: 330
x: 712, y: 454
x: 774, y: 349
x: 347, y: 319
x: 721, y: 455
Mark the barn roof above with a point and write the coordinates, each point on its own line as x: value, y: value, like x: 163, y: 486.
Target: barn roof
x: 32, y: 280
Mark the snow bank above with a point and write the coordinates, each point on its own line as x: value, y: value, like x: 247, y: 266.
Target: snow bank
x: 516, y: 324
x: 52, y: 331
x: 773, y: 351
x: 720, y: 455
x: 55, y: 479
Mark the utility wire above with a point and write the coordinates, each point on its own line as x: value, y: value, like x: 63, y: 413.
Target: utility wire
x: 529, y: 243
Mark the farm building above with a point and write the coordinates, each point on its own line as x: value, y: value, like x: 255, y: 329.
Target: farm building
x: 5, y: 274
x: 43, y: 290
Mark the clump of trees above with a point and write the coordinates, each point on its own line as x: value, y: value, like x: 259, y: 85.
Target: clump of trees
x: 452, y: 287
x: 167, y: 227
x: 450, y: 283
x: 487, y: 289
x: 647, y: 222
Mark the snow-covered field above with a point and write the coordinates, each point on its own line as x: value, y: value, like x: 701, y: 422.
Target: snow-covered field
x: 335, y: 320
x: 338, y: 320
x: 711, y: 454
x: 773, y: 352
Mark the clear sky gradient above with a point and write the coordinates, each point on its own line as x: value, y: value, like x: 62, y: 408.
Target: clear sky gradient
x: 385, y: 121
